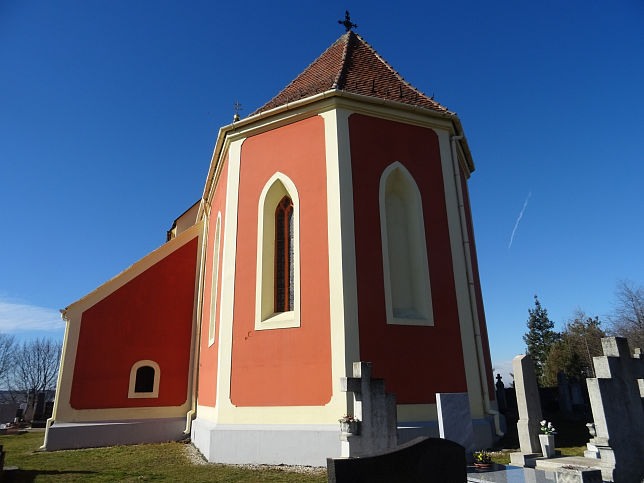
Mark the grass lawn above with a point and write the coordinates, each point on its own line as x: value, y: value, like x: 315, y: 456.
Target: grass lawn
x: 570, y: 440
x: 145, y: 462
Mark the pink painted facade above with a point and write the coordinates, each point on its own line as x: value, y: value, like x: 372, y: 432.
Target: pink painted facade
x: 193, y: 309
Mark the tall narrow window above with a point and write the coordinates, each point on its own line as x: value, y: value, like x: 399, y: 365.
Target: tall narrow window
x: 278, y: 256
x: 405, y: 268
x: 215, y: 278
x: 284, y: 255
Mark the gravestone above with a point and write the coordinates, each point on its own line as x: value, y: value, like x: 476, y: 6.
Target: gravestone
x: 529, y: 406
x: 565, y: 401
x: 422, y: 459
x: 374, y: 408
x: 39, y: 420
x: 577, y: 396
x: 8, y: 412
x: 455, y: 420
x: 617, y: 402
x: 500, y: 395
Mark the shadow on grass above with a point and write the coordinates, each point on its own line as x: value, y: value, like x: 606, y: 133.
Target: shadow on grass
x: 19, y: 475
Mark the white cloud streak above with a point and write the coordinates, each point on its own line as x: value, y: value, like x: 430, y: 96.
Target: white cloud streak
x: 17, y: 317
x: 516, y: 224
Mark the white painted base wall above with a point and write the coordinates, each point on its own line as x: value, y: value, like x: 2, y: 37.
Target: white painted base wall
x: 290, y: 444
x: 61, y: 435
x: 299, y: 444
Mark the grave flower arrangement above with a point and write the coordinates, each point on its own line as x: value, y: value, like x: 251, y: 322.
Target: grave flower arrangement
x: 482, y: 458
x: 547, y: 427
x: 349, y: 424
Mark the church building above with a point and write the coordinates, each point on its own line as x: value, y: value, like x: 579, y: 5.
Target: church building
x: 334, y: 227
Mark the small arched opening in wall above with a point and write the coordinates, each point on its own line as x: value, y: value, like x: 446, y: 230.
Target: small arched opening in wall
x: 144, y: 379
x: 408, y: 297
x: 277, y: 302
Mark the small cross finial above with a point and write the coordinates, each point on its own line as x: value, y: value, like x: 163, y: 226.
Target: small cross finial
x: 347, y: 21
x: 237, y: 107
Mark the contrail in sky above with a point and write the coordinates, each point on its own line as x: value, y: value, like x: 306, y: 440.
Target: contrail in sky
x: 516, y: 225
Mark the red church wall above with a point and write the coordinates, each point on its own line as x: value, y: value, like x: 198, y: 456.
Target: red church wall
x: 207, y: 388
x: 415, y: 361
x: 477, y: 289
x: 284, y: 367
x: 150, y: 317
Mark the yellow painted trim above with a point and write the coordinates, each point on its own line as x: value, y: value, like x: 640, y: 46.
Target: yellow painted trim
x: 318, y: 104
x: 226, y: 310
x: 131, y: 393
x: 417, y: 412
x: 343, y: 286
x: 463, y: 301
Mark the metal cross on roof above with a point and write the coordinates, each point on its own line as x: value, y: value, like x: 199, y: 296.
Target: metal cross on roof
x: 347, y: 21
x: 237, y: 107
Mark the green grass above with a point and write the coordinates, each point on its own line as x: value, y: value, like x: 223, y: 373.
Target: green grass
x: 145, y: 462
x: 503, y: 456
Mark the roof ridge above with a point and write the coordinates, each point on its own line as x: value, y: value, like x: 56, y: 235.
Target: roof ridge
x: 398, y: 76
x: 340, y: 78
x: 339, y: 39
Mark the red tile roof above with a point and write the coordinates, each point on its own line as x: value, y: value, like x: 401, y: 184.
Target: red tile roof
x: 350, y: 64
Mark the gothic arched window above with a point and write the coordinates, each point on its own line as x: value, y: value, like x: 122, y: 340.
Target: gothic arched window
x: 408, y: 297
x: 215, y: 278
x: 284, y: 289
x: 277, y: 302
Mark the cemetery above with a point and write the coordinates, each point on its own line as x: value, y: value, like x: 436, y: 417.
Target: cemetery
x: 377, y: 448
x: 317, y: 315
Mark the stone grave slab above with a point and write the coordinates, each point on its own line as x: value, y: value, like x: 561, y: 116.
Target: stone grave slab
x: 455, y: 419
x: 422, y: 459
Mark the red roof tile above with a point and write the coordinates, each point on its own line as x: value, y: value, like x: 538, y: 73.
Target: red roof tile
x: 350, y: 64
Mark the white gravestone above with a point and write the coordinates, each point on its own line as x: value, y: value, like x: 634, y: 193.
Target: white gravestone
x: 455, y: 419
x: 617, y: 401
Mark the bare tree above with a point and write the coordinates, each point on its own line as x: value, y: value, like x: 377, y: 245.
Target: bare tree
x: 36, y: 366
x: 7, y: 360
x: 627, y: 319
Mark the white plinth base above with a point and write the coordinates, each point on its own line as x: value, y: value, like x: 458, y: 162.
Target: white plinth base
x: 290, y: 444
x: 93, y: 434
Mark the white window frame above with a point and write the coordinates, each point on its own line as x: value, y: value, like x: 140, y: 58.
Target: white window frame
x: 422, y: 278
x: 278, y: 186
x: 155, y: 387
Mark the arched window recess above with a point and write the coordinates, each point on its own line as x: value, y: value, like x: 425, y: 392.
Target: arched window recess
x: 278, y: 256
x: 144, y: 380
x: 408, y: 297
x: 215, y: 279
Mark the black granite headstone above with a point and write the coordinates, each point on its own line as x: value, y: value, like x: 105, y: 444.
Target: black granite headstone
x: 420, y: 460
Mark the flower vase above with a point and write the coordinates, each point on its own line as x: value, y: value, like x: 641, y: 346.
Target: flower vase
x: 547, y: 442
x: 349, y: 427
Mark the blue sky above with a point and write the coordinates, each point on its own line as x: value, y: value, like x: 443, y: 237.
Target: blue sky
x: 109, y: 112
